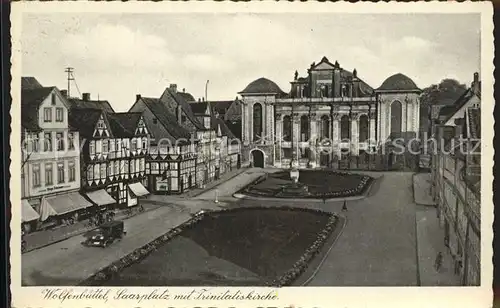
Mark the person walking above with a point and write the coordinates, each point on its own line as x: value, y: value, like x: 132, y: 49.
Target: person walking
x: 344, y: 207
x: 439, y: 261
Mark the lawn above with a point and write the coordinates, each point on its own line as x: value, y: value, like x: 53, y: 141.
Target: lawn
x: 240, y: 247
x: 320, y: 183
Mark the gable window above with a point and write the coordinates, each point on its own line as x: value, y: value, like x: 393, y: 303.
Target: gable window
x: 183, y: 119
x: 71, y: 171
x: 59, y: 114
x: 100, y: 124
x: 47, y: 142
x: 60, y: 173
x: 36, y: 175
x: 47, y: 114
x: 53, y: 99
x: 71, y: 141
x: 60, y: 141
x: 49, y: 174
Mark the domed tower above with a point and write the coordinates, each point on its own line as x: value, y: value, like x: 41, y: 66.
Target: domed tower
x: 258, y: 121
x: 398, y: 108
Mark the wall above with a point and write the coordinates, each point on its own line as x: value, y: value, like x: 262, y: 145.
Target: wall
x: 410, y: 121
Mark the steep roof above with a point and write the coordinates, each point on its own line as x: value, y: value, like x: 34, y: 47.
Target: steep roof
x: 30, y: 83
x: 460, y: 102
x: 186, y: 96
x: 30, y: 102
x: 85, y: 120
x: 124, y: 124
x: 262, y: 86
x: 398, y: 82
x: 167, y: 120
x: 184, y: 105
x: 90, y: 104
x: 221, y: 106
x: 198, y: 108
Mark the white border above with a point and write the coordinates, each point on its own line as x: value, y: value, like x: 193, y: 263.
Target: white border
x: 386, y: 297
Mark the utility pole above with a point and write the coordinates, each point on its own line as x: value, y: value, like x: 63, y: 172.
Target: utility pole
x: 69, y: 71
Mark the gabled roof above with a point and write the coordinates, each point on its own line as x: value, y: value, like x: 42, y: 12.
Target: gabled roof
x: 167, y: 120
x: 85, y: 120
x: 186, y: 96
x: 28, y: 83
x: 30, y: 103
x: 460, y: 102
x: 124, y: 124
x: 184, y: 105
x: 90, y: 104
x: 221, y: 106
x: 262, y: 86
x: 398, y: 82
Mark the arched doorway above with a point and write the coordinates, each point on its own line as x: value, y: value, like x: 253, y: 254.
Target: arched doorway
x: 258, y: 158
x: 396, y: 117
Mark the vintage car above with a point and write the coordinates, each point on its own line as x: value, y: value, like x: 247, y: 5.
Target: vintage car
x: 106, y: 234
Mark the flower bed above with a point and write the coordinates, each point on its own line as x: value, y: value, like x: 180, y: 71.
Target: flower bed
x: 275, y: 265
x: 321, y: 185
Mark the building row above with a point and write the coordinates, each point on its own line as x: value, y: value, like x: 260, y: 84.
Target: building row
x: 456, y: 180
x: 79, y: 155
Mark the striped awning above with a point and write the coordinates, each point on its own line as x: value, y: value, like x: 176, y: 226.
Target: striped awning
x: 101, y: 197
x: 67, y: 203
x: 138, y: 189
x: 27, y: 212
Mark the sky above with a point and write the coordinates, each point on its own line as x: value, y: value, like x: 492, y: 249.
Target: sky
x: 116, y: 56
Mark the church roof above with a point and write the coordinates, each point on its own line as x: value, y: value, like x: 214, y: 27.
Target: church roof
x: 262, y: 86
x: 398, y: 82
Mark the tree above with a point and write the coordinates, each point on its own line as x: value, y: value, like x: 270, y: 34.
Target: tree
x: 443, y: 94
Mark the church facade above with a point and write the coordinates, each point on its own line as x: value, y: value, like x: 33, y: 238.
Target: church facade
x: 330, y: 114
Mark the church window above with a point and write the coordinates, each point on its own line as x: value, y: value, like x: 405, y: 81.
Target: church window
x: 396, y: 115
x: 344, y: 127
x: 325, y: 127
x: 257, y: 121
x: 363, y: 128
x: 287, y: 128
x: 304, y: 128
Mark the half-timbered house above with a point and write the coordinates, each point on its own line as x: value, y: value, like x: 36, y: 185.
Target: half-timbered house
x: 171, y: 159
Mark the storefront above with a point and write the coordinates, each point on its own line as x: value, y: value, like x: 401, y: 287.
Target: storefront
x: 102, y: 199
x: 29, y: 216
x: 64, y: 208
x: 135, y: 191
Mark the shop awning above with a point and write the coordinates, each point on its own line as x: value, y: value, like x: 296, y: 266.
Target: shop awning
x: 138, y: 189
x: 101, y: 197
x: 28, y: 213
x: 67, y: 203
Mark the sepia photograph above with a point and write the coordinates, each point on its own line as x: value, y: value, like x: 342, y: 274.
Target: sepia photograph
x: 252, y: 149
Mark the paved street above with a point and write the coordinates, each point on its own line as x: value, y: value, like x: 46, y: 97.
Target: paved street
x: 376, y: 248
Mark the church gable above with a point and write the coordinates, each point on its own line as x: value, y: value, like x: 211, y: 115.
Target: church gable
x: 324, y: 66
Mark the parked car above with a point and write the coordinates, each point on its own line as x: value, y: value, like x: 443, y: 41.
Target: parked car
x: 106, y: 234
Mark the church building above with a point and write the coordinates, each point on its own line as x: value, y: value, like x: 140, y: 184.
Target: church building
x: 327, y: 115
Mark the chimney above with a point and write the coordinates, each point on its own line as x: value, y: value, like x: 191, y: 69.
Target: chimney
x: 199, y: 100
x: 64, y: 93
x: 183, y: 90
x: 475, y: 83
x: 86, y: 96
x: 137, y: 97
x: 173, y: 87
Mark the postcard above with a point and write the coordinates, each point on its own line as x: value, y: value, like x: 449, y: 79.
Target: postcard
x: 220, y: 154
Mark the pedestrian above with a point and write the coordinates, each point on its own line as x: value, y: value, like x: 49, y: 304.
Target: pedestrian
x: 344, y: 207
x: 439, y: 261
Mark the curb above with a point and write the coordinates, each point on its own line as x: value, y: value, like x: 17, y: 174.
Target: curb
x: 80, y: 233
x: 313, y: 200
x: 413, y: 192
x: 308, y: 280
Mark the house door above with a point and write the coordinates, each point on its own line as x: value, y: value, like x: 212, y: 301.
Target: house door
x: 324, y: 160
x: 258, y: 159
